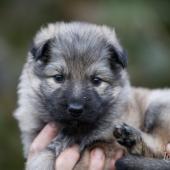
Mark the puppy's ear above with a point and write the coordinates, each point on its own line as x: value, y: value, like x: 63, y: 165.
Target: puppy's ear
x: 41, y: 52
x: 118, y: 56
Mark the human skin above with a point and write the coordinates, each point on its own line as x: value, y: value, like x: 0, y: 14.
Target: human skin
x: 97, y: 157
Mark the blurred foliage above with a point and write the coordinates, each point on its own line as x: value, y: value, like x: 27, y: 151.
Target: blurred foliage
x: 143, y: 27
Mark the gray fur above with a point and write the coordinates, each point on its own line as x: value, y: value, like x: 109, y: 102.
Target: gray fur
x: 152, y: 117
x: 141, y: 163
x: 80, y: 52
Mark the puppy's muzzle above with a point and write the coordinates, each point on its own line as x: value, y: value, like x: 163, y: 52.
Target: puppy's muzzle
x: 75, y: 110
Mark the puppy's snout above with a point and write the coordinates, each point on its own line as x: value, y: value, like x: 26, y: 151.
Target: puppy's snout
x: 75, y: 109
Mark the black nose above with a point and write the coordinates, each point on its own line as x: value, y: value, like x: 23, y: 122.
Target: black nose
x: 75, y: 109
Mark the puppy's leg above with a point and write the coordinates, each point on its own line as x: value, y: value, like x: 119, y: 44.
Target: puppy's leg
x: 155, y: 135
x: 59, y: 144
x: 129, y: 137
x: 140, y: 163
x: 44, y: 160
x: 138, y: 142
x: 141, y: 144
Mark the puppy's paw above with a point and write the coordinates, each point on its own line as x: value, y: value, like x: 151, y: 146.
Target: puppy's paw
x: 126, y: 135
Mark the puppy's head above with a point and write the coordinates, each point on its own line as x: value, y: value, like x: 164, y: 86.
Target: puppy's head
x: 81, y: 70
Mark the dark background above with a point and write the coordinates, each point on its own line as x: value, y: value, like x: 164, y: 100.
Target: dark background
x: 142, y: 26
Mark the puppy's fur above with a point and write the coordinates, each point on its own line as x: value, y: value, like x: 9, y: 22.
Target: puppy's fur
x: 75, y: 75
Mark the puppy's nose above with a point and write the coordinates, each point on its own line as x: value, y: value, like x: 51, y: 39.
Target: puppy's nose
x: 75, y: 109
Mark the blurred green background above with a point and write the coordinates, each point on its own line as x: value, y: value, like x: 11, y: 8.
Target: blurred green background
x: 143, y: 28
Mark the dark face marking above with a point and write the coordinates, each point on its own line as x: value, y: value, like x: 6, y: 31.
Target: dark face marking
x: 93, y: 108
x: 42, y: 52
x: 117, y: 56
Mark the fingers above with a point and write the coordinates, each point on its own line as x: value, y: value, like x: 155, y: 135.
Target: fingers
x: 68, y: 158
x: 117, y: 156
x: 43, y: 139
x: 168, y: 148
x: 97, y: 159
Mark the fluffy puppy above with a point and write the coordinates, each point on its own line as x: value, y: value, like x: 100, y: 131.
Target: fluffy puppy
x: 75, y: 75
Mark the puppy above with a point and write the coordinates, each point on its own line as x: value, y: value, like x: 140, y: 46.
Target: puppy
x: 75, y: 75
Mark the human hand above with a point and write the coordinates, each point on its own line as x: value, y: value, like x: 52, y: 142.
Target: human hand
x: 44, y: 138
x: 68, y: 158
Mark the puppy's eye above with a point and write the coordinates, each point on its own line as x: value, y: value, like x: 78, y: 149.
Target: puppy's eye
x: 59, y: 78
x: 96, y: 81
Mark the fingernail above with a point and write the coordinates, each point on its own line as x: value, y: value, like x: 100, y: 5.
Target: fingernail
x: 98, y: 153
